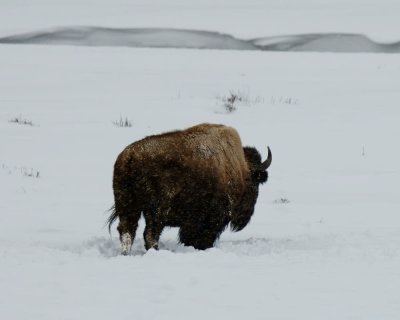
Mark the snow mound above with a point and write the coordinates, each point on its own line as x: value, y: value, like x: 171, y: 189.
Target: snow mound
x: 336, y: 42
x: 194, y: 39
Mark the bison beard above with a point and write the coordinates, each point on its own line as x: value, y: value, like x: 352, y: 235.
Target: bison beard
x: 199, y: 179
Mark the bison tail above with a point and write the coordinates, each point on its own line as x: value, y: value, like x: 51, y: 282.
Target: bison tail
x: 111, y: 219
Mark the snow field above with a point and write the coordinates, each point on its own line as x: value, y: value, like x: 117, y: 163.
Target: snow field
x: 331, y: 121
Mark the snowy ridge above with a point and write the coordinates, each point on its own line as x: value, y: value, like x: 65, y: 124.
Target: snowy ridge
x: 137, y: 37
x: 194, y: 39
x: 334, y: 42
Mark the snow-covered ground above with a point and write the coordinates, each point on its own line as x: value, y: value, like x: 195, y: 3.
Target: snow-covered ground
x: 324, y: 242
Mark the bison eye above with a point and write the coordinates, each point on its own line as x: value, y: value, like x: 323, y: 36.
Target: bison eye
x: 260, y: 176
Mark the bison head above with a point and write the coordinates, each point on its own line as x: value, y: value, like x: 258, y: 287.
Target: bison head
x: 258, y: 175
x: 258, y: 169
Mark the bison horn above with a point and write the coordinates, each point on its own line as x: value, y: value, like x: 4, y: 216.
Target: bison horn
x: 267, y: 163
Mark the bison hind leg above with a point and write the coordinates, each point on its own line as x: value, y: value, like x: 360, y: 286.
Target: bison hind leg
x: 153, y: 229
x: 126, y: 243
x: 128, y: 223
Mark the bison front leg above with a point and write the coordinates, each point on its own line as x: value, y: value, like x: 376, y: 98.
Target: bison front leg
x: 196, y: 238
x: 200, y: 238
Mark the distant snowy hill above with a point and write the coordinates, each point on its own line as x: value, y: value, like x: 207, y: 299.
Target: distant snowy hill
x: 175, y: 38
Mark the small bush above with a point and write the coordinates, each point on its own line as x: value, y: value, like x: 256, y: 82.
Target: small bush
x: 230, y: 102
x: 280, y: 100
x: 24, y: 171
x: 281, y: 201
x: 20, y: 120
x: 31, y: 173
x: 237, y: 98
x: 123, y: 123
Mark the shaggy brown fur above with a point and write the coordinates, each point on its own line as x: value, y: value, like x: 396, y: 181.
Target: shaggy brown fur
x: 198, y: 179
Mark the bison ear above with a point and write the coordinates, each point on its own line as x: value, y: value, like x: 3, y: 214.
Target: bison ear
x: 265, y: 165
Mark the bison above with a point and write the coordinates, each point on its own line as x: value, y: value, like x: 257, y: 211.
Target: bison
x: 199, y: 180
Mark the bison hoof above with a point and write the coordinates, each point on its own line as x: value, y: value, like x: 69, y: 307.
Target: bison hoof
x: 126, y: 243
x: 151, y: 246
